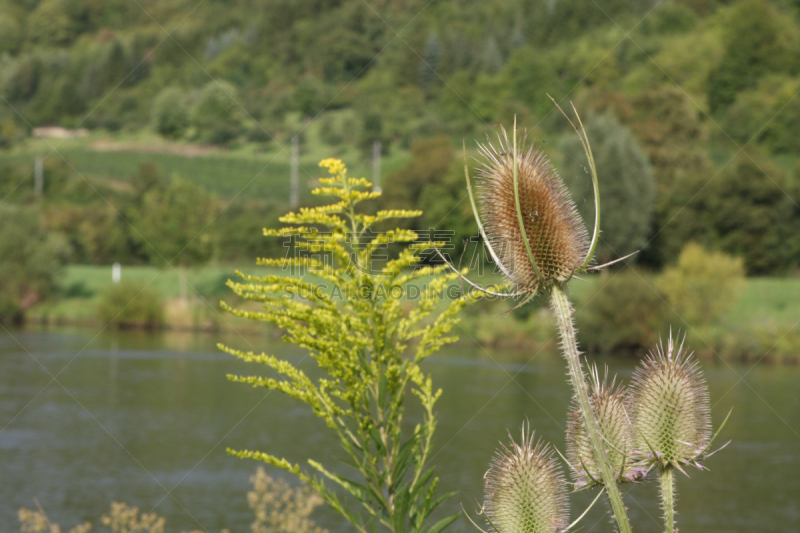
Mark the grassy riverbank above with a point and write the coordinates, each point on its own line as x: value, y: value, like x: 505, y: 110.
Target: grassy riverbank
x: 762, y: 323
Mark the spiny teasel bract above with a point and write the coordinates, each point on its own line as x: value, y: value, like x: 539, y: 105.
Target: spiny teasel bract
x: 525, y: 489
x: 558, y: 238
x: 612, y: 410
x: 672, y: 411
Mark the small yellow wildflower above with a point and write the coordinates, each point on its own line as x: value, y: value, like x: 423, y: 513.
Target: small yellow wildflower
x: 334, y: 166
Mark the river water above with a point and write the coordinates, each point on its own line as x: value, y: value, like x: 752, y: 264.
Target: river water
x: 145, y: 418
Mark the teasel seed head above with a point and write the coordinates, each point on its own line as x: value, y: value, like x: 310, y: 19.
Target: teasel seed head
x: 611, y: 405
x: 672, y: 411
x: 559, y: 242
x: 525, y: 489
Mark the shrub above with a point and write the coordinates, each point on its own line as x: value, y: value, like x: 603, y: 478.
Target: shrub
x: 170, y: 113
x: 624, y: 313
x: 429, y: 166
x: 672, y: 18
x: 702, y: 284
x: 49, y: 24
x: 754, y: 217
x: 754, y: 46
x: 767, y: 114
x: 129, y: 305
x: 31, y: 260
x: 217, y: 116
x: 172, y: 224
x: 10, y: 33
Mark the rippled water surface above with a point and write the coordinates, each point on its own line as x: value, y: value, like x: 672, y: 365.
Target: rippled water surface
x: 146, y: 417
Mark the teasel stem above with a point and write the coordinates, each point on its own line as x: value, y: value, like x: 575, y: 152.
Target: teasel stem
x: 563, y: 311
x: 668, y: 497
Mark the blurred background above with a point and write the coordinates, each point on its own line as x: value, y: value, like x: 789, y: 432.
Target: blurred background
x: 144, y: 144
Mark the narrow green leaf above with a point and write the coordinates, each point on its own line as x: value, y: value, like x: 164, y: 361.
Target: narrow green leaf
x: 443, y: 523
x: 401, y: 503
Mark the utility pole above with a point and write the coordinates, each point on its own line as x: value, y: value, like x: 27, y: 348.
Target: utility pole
x: 376, y: 166
x: 294, y: 178
x: 38, y: 175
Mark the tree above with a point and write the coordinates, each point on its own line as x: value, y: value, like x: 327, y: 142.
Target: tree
x: 173, y: 226
x: 445, y: 206
x: 754, y: 214
x: 627, y: 189
x: 31, y: 260
x: 754, y: 46
x: 430, y: 163
x: 10, y: 33
x: 623, y: 314
x: 49, y: 24
x: 217, y: 115
x: 749, y: 211
x: 170, y: 113
x: 429, y: 63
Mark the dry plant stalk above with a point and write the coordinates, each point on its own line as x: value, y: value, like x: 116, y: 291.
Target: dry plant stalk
x: 279, y: 507
x: 537, y: 239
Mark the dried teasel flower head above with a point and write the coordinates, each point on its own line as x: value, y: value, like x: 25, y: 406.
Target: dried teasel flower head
x: 611, y: 405
x: 532, y: 228
x: 530, y: 220
x: 525, y: 489
x: 672, y: 411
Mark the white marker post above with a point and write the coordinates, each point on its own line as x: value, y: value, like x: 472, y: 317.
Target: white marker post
x: 38, y: 176
x: 376, y: 166
x: 294, y: 177
x: 116, y: 272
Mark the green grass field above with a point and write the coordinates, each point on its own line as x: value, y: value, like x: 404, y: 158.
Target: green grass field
x: 242, y: 173
x: 80, y: 288
x: 764, y: 300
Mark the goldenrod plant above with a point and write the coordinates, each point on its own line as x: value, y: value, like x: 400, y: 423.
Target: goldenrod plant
x: 537, y: 239
x: 353, y: 313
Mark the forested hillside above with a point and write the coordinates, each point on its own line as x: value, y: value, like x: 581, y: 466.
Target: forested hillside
x: 692, y: 105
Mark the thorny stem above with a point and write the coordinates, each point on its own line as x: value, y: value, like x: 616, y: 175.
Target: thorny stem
x: 668, y: 498
x: 563, y: 311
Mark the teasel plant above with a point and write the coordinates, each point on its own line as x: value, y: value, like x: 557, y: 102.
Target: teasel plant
x: 611, y: 405
x: 672, y: 417
x: 537, y: 239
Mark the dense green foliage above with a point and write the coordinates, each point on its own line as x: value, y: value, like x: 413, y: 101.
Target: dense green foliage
x: 129, y: 304
x: 170, y: 113
x: 171, y: 224
x: 692, y: 80
x: 31, y: 260
x: 701, y: 285
x: 624, y: 313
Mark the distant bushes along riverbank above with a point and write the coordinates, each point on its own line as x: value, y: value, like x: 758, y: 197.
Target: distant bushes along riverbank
x: 620, y: 312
